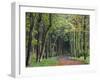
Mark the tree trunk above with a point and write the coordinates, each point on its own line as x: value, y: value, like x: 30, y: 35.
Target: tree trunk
x: 38, y: 37
x: 29, y: 40
x: 84, y: 38
x: 44, y: 39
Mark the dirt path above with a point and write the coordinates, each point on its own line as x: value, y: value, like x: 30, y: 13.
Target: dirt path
x: 68, y: 61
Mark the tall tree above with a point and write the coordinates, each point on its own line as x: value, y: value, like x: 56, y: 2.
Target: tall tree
x: 29, y: 39
x: 44, y: 37
x: 38, y: 36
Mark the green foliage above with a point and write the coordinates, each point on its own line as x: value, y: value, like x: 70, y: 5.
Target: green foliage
x: 86, y: 61
x: 46, y: 19
x: 66, y: 34
x: 45, y: 62
x: 34, y: 42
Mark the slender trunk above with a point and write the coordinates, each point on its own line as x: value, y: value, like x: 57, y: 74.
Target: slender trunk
x: 46, y: 50
x: 30, y: 39
x: 44, y: 39
x: 38, y: 50
x: 38, y: 37
x: 74, y: 43
x: 43, y: 46
x: 84, y: 38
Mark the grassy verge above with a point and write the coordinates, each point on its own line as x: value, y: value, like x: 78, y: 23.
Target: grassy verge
x: 87, y: 60
x: 45, y: 62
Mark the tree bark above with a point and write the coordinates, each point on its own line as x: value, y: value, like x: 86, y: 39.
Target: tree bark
x: 38, y: 36
x: 29, y: 40
x: 84, y: 38
x: 44, y: 39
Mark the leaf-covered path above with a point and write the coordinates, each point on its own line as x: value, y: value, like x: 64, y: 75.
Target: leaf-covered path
x: 63, y: 60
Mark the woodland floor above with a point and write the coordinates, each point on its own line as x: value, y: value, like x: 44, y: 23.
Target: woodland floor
x: 59, y: 61
x: 68, y: 61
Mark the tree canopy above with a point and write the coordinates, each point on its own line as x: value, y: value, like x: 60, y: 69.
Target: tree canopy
x: 52, y: 34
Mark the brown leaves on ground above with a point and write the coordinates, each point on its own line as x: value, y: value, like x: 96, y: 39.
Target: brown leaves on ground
x: 63, y: 61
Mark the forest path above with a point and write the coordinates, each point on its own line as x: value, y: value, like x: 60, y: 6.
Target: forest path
x: 64, y: 60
